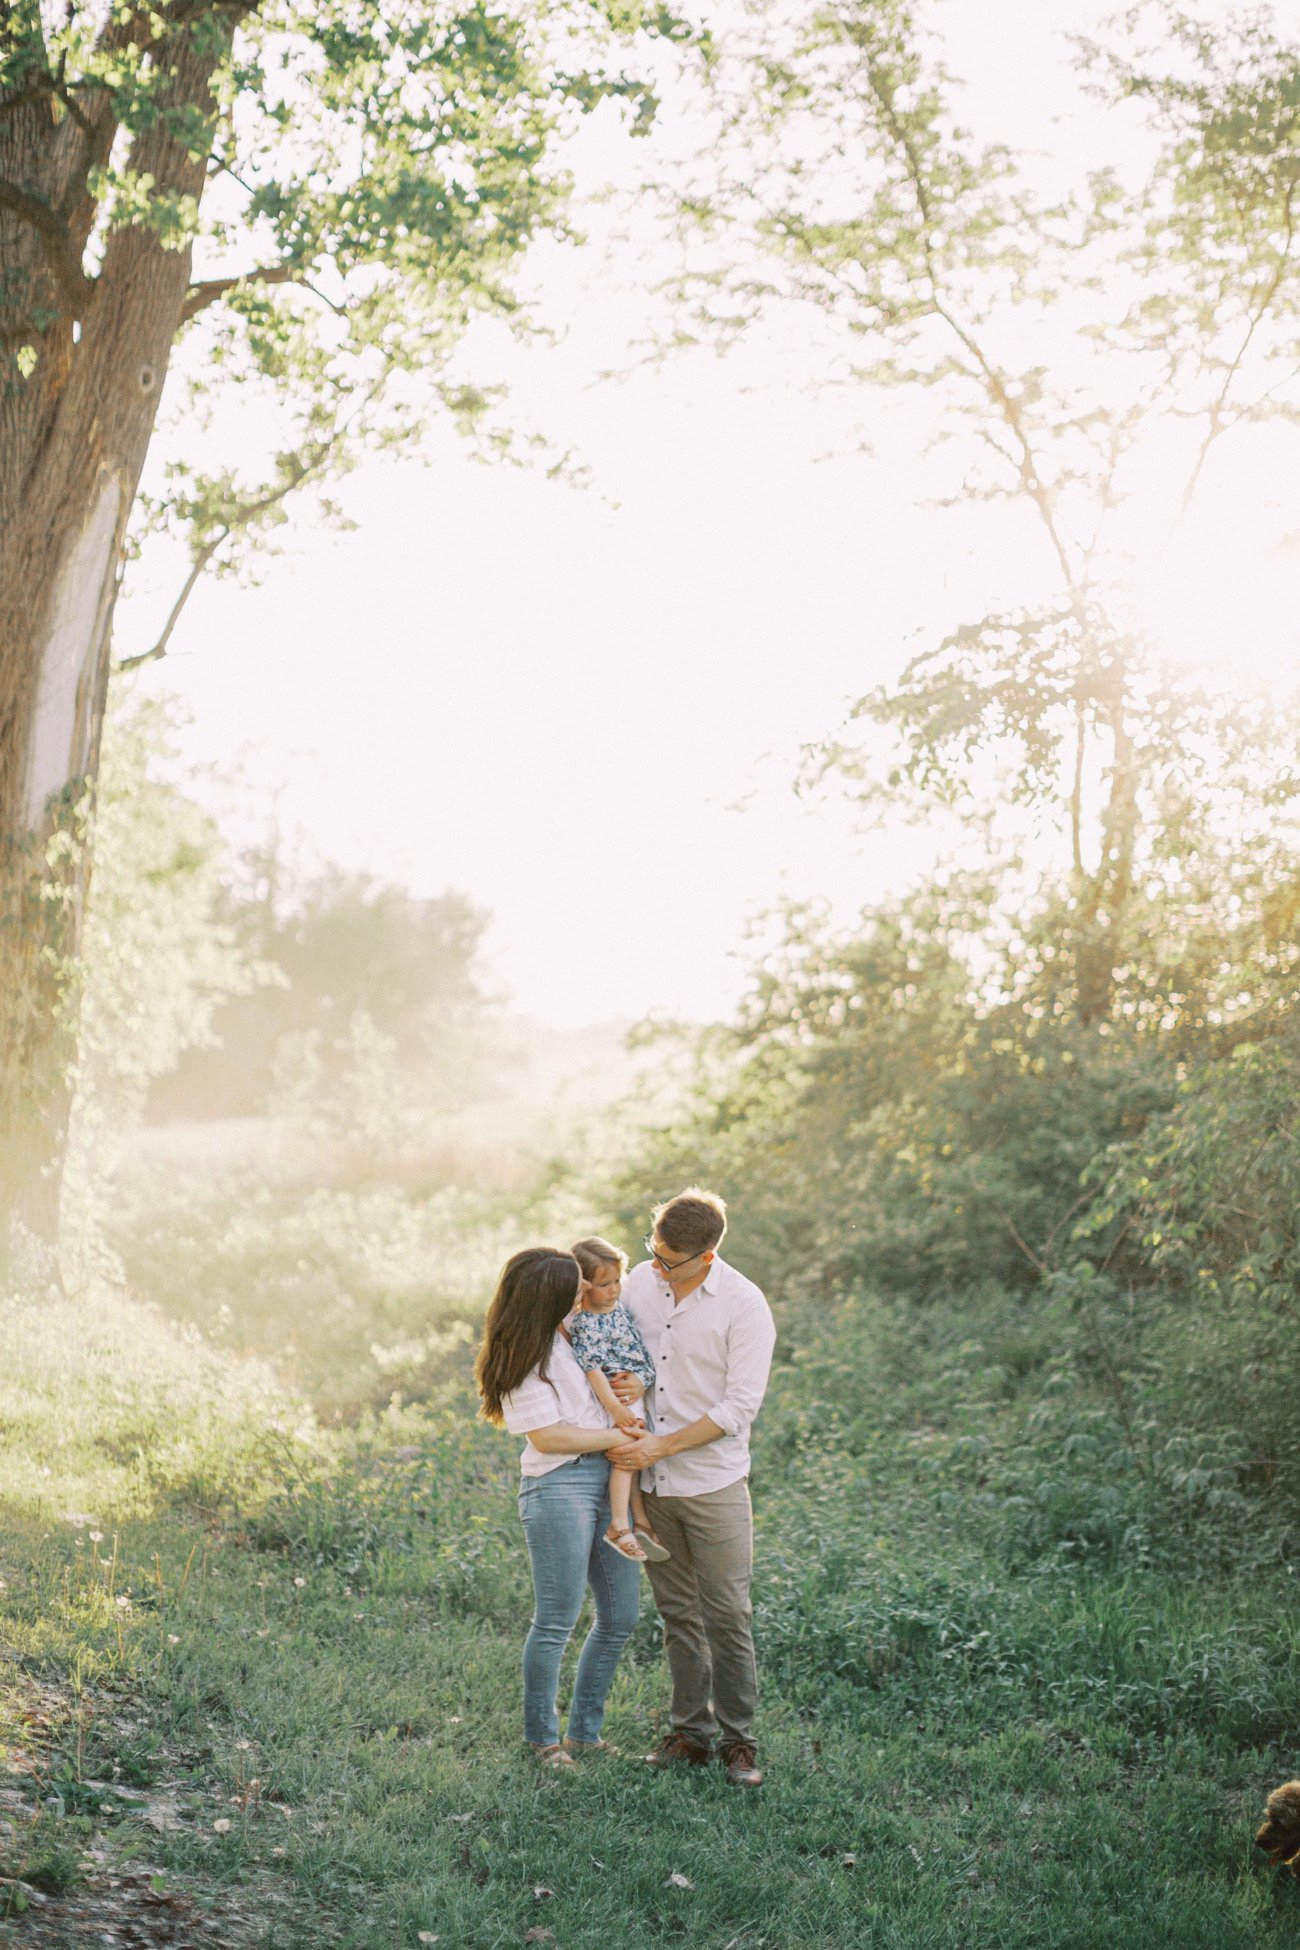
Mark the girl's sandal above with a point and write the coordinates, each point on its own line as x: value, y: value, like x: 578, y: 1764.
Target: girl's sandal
x: 625, y: 1543
x: 552, y: 1756
x: 654, y: 1551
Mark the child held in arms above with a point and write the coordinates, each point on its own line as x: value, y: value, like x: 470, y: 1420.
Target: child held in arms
x: 607, y: 1342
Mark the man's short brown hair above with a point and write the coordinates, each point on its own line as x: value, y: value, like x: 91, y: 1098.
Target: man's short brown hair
x: 693, y: 1222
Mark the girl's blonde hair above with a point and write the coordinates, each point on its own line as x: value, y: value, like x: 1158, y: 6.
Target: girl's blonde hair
x: 591, y: 1253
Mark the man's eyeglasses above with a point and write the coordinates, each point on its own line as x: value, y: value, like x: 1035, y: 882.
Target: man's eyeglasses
x: 668, y: 1265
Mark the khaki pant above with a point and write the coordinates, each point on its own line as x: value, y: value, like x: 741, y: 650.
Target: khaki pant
x: 703, y: 1599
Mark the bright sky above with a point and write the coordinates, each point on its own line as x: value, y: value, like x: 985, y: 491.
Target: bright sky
x: 586, y: 709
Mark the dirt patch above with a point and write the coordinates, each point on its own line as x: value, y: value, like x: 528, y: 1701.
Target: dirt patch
x: 95, y: 1900
x: 137, y: 1909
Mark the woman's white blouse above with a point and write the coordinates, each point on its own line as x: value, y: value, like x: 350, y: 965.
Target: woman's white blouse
x: 565, y: 1396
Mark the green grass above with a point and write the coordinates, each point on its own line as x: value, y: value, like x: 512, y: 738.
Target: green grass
x: 973, y: 1738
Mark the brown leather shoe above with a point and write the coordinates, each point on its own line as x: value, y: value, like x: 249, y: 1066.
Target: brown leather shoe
x: 678, y: 1749
x: 740, y: 1761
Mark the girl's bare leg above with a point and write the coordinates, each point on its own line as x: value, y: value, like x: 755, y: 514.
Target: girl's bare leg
x: 620, y: 1494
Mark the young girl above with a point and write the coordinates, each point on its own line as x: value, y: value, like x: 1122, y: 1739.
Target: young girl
x: 606, y: 1341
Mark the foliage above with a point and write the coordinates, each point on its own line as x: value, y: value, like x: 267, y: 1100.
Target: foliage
x: 1063, y: 341
x: 1014, y: 1087
x: 109, y: 1410
x: 354, y: 1288
x: 1210, y: 1192
x: 879, y: 1123
x: 1213, y: 1185
x: 381, y: 994
x: 158, y: 957
x: 1218, y: 243
x: 371, y: 186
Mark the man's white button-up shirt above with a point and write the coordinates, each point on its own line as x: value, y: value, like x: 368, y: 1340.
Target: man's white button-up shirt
x: 712, y: 1353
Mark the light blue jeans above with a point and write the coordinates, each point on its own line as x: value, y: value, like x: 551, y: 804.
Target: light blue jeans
x: 565, y: 1515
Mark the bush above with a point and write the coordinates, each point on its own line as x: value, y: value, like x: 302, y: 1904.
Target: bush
x: 421, y: 1502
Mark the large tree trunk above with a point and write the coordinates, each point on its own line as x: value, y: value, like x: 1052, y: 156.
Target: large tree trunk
x: 73, y: 438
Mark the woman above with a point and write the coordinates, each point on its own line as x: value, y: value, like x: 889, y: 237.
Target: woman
x: 531, y: 1384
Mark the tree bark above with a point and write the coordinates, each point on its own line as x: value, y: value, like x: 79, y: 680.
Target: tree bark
x: 74, y: 431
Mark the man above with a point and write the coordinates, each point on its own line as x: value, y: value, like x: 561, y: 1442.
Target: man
x: 710, y: 1334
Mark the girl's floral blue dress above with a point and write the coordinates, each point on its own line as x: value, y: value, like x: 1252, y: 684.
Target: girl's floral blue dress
x: 611, y: 1342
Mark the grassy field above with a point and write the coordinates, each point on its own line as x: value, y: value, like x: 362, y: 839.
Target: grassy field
x: 260, y: 1679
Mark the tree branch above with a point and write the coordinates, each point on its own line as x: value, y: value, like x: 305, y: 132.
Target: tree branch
x: 1040, y: 1265
x: 201, y: 562
x: 1076, y: 784
x: 1218, y: 411
x: 212, y: 290
x: 300, y: 471
x: 56, y: 241
x: 993, y: 380
x: 145, y: 26
x: 182, y: 13
x: 48, y: 87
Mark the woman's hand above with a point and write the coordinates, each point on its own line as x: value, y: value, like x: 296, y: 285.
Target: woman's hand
x: 628, y: 1387
x: 564, y: 1439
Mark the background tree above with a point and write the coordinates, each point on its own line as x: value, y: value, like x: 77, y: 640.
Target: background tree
x: 160, y: 958
x: 346, y: 945
x: 329, y: 195
x: 936, y: 1100
x: 1055, y: 340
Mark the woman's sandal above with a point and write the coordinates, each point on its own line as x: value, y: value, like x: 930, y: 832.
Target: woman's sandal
x: 625, y: 1543
x: 581, y: 1748
x: 553, y: 1756
x: 655, y: 1552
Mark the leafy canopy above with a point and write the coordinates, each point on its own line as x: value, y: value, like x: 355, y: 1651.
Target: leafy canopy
x: 374, y: 174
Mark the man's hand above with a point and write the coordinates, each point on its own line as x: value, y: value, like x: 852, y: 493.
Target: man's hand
x: 641, y: 1454
x: 628, y: 1387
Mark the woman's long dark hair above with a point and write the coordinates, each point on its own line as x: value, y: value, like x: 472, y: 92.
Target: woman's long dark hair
x: 536, y: 1290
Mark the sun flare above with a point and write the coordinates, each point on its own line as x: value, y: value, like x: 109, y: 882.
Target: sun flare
x: 1218, y: 590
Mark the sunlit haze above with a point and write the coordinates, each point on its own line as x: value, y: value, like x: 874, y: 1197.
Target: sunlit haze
x: 587, y: 708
